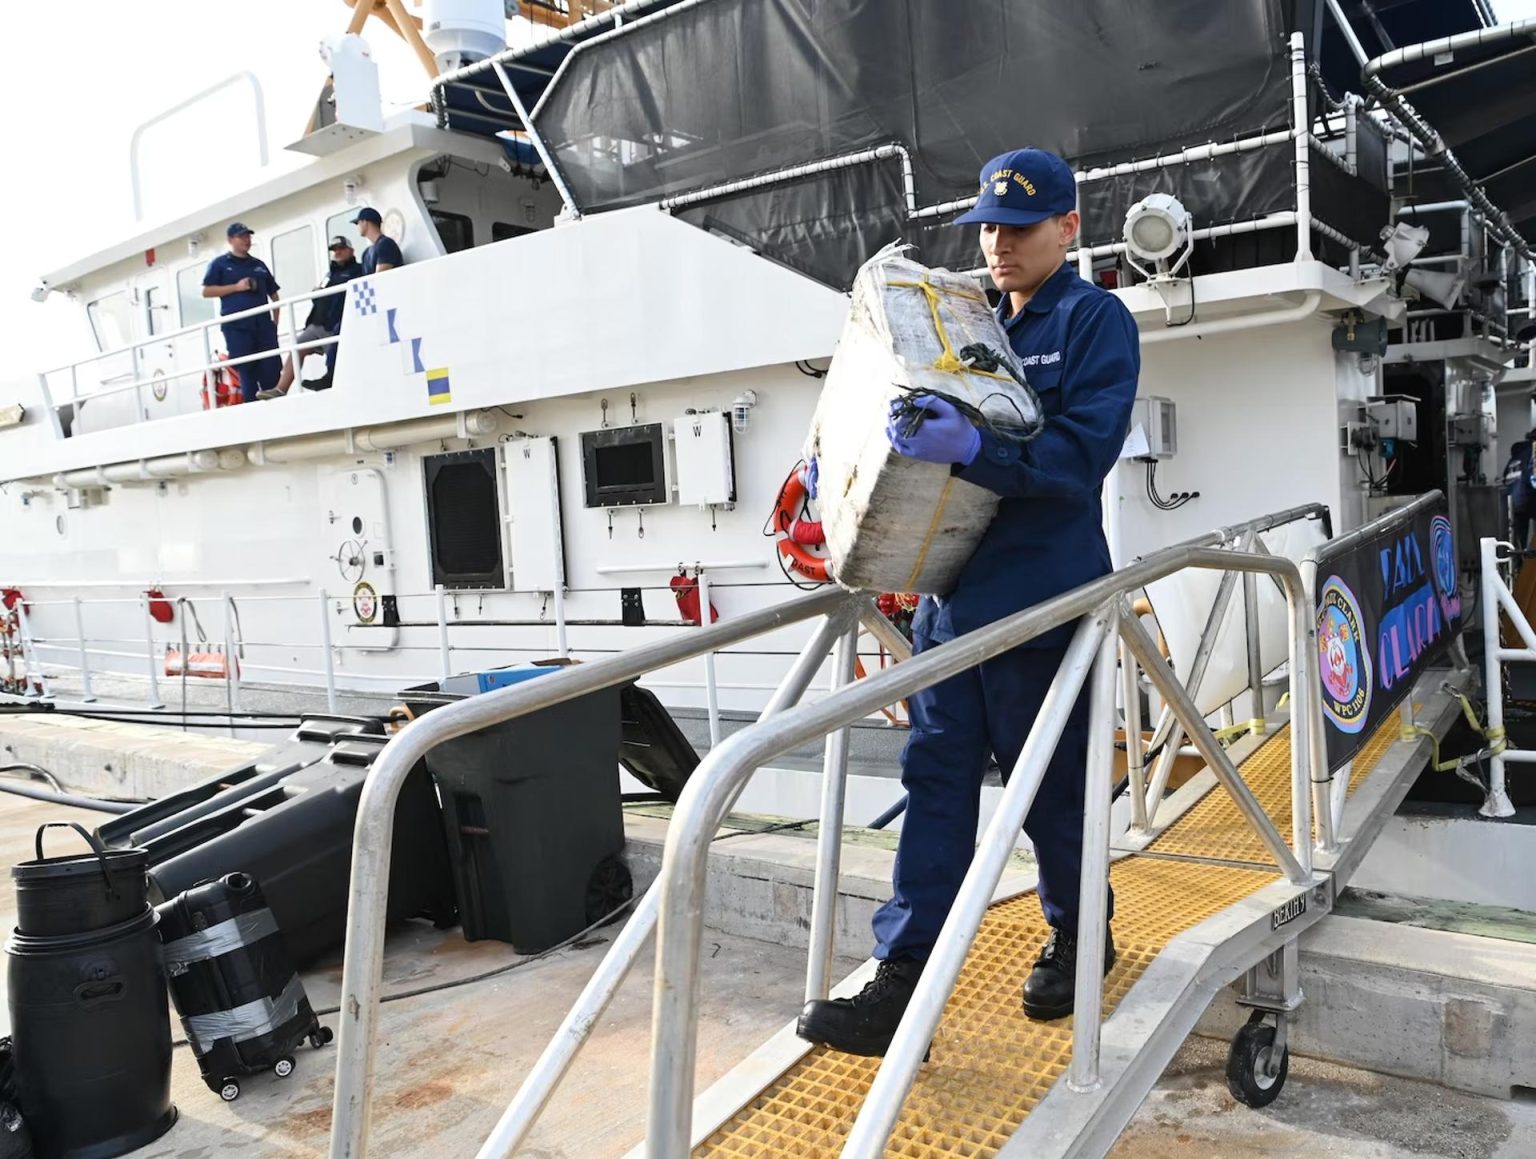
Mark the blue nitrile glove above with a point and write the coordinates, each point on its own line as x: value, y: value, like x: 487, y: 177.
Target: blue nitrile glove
x: 810, y: 479
x: 944, y: 436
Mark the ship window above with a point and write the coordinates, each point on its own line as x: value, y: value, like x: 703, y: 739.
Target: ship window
x: 340, y: 225
x: 456, y: 230
x: 189, y: 293
x: 111, y: 318
x: 464, y: 519
x: 501, y: 230
x: 293, y: 260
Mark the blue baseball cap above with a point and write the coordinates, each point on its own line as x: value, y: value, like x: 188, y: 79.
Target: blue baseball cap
x: 236, y: 228
x: 368, y: 214
x: 1021, y: 188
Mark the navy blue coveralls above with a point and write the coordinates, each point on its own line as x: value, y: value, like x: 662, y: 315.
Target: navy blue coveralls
x: 247, y: 335
x: 1080, y: 351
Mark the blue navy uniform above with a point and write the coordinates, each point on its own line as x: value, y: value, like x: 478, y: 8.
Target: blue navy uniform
x: 384, y: 250
x: 1080, y: 351
x: 246, y: 336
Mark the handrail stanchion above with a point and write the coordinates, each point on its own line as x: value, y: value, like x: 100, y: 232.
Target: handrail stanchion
x: 86, y: 695
x: 1135, y: 758
x: 711, y: 689
x: 149, y: 652
x: 882, y: 1105
x: 1093, y: 903
x: 1306, y: 697
x: 829, y: 836
x: 37, y: 680
x: 444, y: 659
x: 1309, y: 783
x: 1255, y: 653
x: 1497, y: 802
x: 373, y: 835
x: 231, y: 652
x: 326, y: 651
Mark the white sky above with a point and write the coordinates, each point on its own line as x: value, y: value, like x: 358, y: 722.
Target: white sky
x: 80, y: 76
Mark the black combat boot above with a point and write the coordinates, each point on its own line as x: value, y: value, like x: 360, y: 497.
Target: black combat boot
x: 1048, y: 989
x: 865, y: 1023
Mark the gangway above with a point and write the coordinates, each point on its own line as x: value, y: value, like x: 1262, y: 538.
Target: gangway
x: 1208, y: 890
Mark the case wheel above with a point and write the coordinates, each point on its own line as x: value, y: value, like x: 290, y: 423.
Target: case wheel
x: 283, y: 1067
x: 229, y: 1089
x: 1246, y: 1062
x: 320, y: 1037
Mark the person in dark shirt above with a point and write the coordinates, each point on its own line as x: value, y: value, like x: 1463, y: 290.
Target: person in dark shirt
x: 1080, y: 349
x: 382, y: 252
x: 325, y: 314
x: 242, y: 282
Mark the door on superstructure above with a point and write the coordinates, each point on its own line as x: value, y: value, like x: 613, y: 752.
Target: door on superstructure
x: 156, y: 318
x: 360, y: 564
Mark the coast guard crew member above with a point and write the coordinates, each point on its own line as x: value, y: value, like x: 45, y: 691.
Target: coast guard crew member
x: 242, y: 282
x: 1080, y: 351
x: 382, y: 252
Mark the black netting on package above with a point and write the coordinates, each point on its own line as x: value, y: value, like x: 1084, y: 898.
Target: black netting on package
x: 737, y: 87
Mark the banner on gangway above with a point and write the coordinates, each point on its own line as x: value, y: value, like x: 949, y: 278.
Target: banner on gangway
x: 1387, y: 608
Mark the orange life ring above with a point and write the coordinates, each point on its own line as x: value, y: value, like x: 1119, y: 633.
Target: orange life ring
x: 796, y: 536
x: 225, y: 386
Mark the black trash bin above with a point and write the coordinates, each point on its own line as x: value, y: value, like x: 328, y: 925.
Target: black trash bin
x: 533, y: 818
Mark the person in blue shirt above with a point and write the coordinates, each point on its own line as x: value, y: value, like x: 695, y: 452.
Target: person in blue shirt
x: 1080, y: 351
x: 325, y: 315
x: 382, y: 252
x: 243, y: 282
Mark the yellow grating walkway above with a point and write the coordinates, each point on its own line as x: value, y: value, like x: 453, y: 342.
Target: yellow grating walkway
x: 1214, y: 827
x: 991, y: 1065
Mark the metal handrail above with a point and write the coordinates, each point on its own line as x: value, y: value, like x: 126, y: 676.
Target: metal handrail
x: 374, y: 832
x: 536, y: 1089
x: 720, y: 776
x: 200, y: 328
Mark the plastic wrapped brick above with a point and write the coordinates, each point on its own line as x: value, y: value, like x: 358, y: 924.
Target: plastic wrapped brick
x: 895, y: 524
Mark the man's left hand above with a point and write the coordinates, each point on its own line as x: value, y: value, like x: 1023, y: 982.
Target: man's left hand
x: 944, y: 436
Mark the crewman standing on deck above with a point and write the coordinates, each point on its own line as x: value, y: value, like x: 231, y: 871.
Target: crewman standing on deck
x: 1080, y: 351
x: 241, y: 282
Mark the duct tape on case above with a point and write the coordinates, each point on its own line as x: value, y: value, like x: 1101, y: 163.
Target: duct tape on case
x: 231, y: 934
x: 246, y: 1021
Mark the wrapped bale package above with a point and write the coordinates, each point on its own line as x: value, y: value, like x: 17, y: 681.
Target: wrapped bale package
x: 895, y: 524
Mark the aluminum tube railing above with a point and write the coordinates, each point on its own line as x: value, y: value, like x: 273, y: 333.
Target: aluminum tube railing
x: 199, y: 327
x: 374, y: 831
x: 898, y: 1069
x: 1496, y: 599
x: 1093, y: 876
x: 538, y: 141
x: 534, y: 1093
x: 829, y: 834
x: 706, y: 801
x: 810, y: 169
x: 1135, y: 758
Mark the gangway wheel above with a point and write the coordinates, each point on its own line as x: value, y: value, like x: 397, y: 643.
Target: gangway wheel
x: 1252, y: 1076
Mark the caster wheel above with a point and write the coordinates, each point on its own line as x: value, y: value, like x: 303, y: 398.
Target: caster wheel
x: 1246, y: 1077
x: 283, y: 1067
x: 320, y: 1037
x: 609, y: 887
x: 229, y: 1090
